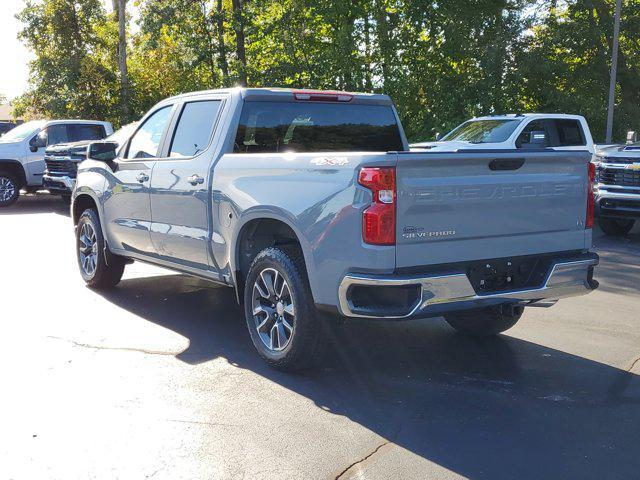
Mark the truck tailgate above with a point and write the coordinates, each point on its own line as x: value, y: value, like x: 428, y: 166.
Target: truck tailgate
x: 455, y: 207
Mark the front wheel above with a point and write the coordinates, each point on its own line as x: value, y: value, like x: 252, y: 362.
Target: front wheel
x: 9, y: 189
x: 485, y: 321
x: 616, y: 227
x: 90, y: 248
x: 284, y: 325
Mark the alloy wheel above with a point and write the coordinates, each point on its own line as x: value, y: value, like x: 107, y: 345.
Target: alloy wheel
x: 273, y: 309
x: 88, y: 249
x: 7, y: 189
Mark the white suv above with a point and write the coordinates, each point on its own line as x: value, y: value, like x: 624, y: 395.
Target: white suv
x: 22, y: 151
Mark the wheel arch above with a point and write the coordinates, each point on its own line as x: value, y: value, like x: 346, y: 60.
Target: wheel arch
x: 16, y: 168
x: 81, y: 202
x: 259, y: 231
x: 82, y: 199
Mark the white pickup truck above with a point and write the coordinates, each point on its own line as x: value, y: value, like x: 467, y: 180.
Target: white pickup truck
x: 22, y: 149
x: 516, y: 131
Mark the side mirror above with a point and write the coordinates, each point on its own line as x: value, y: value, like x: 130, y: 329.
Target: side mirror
x: 438, y: 136
x: 39, y: 141
x: 632, y: 137
x: 102, y: 151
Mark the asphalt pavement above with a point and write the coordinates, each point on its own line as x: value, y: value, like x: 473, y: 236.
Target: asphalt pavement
x: 158, y: 379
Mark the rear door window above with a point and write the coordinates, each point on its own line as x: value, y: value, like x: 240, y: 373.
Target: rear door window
x: 77, y: 132
x: 570, y: 133
x: 195, y: 126
x: 269, y: 127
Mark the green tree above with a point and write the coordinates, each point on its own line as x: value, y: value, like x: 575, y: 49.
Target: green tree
x: 72, y: 74
x: 441, y: 61
x: 565, y: 63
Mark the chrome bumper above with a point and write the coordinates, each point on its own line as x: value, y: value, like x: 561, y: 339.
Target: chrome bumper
x: 634, y: 194
x: 67, y: 182
x: 566, y: 279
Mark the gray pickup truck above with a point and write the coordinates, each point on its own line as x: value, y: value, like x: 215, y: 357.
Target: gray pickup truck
x: 309, y: 205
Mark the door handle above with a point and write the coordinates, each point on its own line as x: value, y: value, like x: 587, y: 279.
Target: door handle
x: 142, y: 177
x: 195, y: 179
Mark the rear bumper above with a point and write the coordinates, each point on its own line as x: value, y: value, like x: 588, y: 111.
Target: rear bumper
x: 623, y: 204
x: 62, y: 184
x: 438, y: 294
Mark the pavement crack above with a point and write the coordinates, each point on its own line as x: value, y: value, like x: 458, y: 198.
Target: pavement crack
x: 367, y: 457
x: 105, y: 347
x: 210, y: 424
x: 633, y: 365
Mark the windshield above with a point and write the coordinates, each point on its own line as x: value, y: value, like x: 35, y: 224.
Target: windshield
x: 122, y: 135
x: 23, y: 131
x: 483, y: 131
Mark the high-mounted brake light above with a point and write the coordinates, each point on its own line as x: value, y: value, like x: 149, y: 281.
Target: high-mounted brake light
x: 379, y: 219
x: 320, y: 96
x: 591, y: 203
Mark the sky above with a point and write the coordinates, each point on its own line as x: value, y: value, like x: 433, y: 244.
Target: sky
x: 16, y: 57
x: 13, y: 79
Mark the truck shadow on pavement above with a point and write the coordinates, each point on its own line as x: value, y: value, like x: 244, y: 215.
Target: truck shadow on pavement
x: 490, y: 408
x: 38, y: 203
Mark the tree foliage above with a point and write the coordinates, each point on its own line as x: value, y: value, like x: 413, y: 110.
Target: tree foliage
x: 73, y: 74
x: 441, y: 61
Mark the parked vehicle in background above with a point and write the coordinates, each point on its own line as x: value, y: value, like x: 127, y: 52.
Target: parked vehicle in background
x: 308, y: 203
x: 22, y: 151
x: 6, y: 126
x: 617, y: 187
x: 62, y: 160
x: 516, y: 131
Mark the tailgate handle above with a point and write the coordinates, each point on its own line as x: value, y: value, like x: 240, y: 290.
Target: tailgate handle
x: 506, y: 164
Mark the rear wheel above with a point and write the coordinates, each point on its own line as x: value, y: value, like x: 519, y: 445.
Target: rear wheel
x: 616, y: 227
x: 90, y: 248
x: 9, y: 189
x: 485, y: 321
x: 284, y: 325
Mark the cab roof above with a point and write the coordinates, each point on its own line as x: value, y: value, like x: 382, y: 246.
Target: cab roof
x: 288, y: 94
x: 521, y: 116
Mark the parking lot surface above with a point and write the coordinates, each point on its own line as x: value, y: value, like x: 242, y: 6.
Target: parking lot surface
x: 158, y: 379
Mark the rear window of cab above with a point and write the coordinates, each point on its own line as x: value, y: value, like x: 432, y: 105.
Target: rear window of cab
x: 272, y: 127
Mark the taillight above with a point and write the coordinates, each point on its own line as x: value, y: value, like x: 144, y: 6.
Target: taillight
x: 379, y: 219
x: 591, y: 204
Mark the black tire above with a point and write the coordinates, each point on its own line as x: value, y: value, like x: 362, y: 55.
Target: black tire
x: 486, y: 321
x: 104, y: 274
x: 305, y: 346
x: 9, y: 189
x: 616, y: 227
